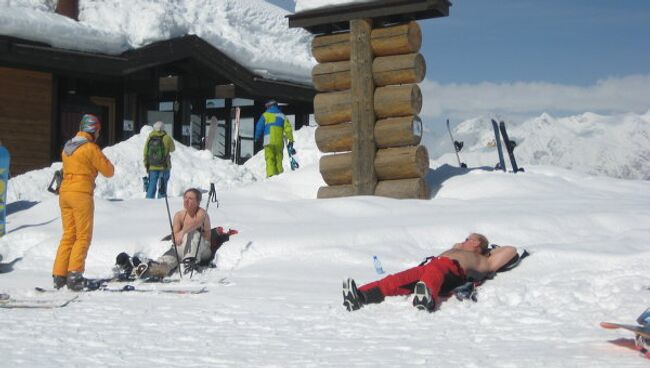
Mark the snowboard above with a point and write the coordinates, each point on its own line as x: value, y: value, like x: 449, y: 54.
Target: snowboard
x: 501, y: 165
x: 457, y: 146
x: 292, y: 160
x: 5, y: 159
x: 510, y: 148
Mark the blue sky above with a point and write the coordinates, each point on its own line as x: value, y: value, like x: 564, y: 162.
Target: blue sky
x: 525, y: 57
x: 570, y: 42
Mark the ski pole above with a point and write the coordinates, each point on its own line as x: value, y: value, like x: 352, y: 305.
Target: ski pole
x: 212, y: 197
x: 169, y: 215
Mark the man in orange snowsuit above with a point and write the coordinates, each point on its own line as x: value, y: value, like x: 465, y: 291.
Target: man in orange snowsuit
x: 82, y: 159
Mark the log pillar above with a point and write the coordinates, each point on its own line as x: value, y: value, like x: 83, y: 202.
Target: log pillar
x: 363, y: 111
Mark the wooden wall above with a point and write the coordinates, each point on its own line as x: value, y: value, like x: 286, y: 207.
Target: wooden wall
x: 26, y: 118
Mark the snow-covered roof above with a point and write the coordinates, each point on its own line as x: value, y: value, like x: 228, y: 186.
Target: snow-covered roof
x: 304, y: 5
x: 252, y: 32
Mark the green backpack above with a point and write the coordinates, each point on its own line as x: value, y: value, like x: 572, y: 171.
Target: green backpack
x: 156, y: 151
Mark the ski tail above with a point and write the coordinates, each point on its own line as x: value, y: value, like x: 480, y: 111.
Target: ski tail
x: 501, y: 165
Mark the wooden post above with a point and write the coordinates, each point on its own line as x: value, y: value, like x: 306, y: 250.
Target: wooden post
x: 363, y: 111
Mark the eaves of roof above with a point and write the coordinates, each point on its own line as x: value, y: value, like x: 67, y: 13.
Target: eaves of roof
x: 28, y: 54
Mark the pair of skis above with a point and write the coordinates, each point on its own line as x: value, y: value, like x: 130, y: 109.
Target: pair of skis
x: 500, y: 133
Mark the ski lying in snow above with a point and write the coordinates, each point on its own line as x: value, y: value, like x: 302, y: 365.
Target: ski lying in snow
x: 510, y: 147
x: 501, y: 165
x: 131, y: 288
x: 10, y: 303
x: 457, y: 146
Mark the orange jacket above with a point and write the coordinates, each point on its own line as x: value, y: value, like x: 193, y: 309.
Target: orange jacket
x: 81, y: 167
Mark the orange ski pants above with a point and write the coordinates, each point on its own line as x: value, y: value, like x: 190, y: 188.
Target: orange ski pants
x: 77, y: 214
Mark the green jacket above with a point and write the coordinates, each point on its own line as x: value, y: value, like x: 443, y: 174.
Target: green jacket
x: 168, y: 144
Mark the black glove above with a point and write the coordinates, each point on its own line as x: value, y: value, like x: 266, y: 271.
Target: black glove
x: 290, y: 148
x: 466, y: 291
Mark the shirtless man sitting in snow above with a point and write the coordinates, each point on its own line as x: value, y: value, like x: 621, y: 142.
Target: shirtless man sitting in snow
x: 434, y: 278
x: 191, y: 230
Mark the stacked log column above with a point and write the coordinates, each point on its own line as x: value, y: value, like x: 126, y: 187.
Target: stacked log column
x: 399, y: 163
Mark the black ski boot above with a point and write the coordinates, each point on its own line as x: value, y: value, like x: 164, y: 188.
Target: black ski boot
x: 351, y: 299
x: 422, y: 299
x: 59, y: 281
x: 190, y: 265
x: 75, y: 281
x: 124, y: 266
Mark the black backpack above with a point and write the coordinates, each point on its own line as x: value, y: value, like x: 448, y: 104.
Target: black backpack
x: 156, y: 151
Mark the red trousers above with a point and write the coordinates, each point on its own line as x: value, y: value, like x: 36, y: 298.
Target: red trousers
x: 441, y: 275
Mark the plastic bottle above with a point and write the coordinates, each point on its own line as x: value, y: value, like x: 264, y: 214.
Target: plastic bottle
x: 377, y: 264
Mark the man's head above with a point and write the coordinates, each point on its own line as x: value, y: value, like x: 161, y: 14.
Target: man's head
x: 90, y: 124
x: 270, y: 103
x: 192, y: 199
x: 477, y: 241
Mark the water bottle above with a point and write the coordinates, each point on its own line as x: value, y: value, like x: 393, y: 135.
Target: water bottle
x: 377, y: 264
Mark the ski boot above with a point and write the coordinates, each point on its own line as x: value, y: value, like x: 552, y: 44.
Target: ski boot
x: 190, y: 265
x: 152, y: 271
x: 351, y: 299
x: 125, y: 266
x: 58, y: 281
x: 75, y: 281
x: 422, y: 299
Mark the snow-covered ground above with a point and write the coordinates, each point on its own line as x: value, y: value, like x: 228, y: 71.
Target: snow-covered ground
x: 588, y: 236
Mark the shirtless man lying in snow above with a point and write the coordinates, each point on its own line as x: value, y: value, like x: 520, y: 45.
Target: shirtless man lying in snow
x: 436, y: 277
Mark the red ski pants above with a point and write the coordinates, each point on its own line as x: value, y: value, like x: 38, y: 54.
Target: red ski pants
x: 432, y: 274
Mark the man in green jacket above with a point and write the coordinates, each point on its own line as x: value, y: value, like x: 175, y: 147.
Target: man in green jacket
x: 157, y: 160
x: 274, y: 127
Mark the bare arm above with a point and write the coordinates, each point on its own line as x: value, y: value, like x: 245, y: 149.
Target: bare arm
x: 178, y: 227
x: 500, y: 256
x: 196, y: 222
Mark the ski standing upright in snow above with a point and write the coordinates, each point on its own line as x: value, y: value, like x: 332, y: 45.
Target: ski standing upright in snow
x: 457, y: 146
x: 4, y: 181
x: 510, y: 147
x: 501, y: 165
x: 235, y: 137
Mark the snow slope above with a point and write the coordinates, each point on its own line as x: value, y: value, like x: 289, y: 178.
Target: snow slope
x: 275, y: 301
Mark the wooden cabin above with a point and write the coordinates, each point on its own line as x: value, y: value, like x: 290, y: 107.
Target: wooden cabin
x: 185, y: 82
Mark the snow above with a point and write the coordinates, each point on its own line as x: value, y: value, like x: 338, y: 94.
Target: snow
x: 252, y: 32
x: 615, y: 145
x: 274, y: 299
x: 304, y: 5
